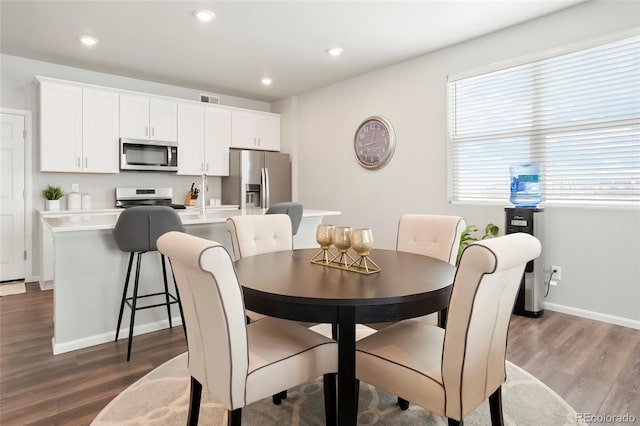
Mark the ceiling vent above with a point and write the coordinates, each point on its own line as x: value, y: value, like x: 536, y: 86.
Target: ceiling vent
x: 210, y: 99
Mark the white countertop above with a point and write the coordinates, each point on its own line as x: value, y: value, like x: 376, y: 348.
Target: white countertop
x: 93, y: 220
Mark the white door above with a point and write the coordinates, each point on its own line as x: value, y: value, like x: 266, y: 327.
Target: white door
x: 12, y: 133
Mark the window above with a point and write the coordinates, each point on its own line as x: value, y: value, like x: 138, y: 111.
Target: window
x: 577, y: 114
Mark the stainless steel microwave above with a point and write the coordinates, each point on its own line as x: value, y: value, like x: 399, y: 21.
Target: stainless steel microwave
x: 137, y: 154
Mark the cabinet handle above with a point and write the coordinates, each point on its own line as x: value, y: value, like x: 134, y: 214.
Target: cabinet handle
x: 146, y: 131
x: 207, y: 167
x: 86, y: 162
x: 259, y: 142
x: 202, y: 167
x: 78, y: 161
x: 152, y: 131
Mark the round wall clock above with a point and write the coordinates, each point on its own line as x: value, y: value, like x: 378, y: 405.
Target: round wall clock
x: 374, y: 142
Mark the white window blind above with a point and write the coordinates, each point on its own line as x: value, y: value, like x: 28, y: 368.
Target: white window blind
x: 577, y: 114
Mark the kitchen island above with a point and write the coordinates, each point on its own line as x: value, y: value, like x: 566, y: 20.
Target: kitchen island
x: 89, y: 271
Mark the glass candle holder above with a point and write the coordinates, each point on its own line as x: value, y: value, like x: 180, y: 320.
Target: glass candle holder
x: 324, y: 236
x: 342, y: 238
x: 342, y: 241
x: 362, y: 241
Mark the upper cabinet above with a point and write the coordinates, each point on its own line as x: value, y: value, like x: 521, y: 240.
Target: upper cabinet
x: 143, y: 117
x: 204, y: 137
x: 78, y: 129
x: 255, y: 130
x: 81, y: 126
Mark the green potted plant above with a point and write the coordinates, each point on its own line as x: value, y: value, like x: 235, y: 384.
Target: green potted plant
x: 466, y: 238
x: 52, y: 194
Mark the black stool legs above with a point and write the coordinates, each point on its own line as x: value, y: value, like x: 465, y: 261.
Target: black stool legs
x: 124, y: 296
x: 132, y: 301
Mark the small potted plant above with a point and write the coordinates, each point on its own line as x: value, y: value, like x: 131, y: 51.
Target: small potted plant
x: 52, y: 194
x: 466, y: 238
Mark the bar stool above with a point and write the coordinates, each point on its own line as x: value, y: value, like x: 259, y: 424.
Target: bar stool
x: 294, y: 210
x: 137, y: 231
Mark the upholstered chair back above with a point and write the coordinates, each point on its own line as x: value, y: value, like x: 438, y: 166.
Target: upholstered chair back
x: 138, y: 228
x: 256, y: 234
x: 482, y: 299
x: 214, y: 313
x: 430, y: 235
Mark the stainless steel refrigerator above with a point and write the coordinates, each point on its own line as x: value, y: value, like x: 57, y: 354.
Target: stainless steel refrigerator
x: 257, y: 179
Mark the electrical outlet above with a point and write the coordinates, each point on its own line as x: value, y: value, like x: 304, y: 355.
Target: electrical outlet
x: 553, y: 282
x: 558, y: 272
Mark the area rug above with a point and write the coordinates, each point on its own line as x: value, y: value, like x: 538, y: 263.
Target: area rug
x: 162, y: 398
x: 12, y: 288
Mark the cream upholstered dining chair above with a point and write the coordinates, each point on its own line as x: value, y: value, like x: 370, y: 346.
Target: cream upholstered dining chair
x: 428, y: 235
x: 256, y: 234
x: 237, y: 363
x: 452, y: 371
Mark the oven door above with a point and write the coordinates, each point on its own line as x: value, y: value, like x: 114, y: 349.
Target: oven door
x: 143, y: 155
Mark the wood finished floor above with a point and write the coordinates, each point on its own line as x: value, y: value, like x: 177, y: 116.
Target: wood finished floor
x: 594, y: 366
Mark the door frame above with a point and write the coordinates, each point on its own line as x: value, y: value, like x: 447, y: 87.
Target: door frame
x: 28, y: 181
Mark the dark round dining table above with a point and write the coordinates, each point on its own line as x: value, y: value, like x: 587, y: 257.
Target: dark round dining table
x: 287, y: 285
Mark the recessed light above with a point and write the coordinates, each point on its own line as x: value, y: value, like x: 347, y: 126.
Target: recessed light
x: 266, y: 81
x: 204, y: 15
x: 335, y: 51
x: 88, y: 40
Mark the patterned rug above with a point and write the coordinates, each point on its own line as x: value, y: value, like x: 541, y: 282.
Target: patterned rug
x: 162, y: 398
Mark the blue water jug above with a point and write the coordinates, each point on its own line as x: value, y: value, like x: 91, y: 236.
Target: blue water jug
x: 526, y: 190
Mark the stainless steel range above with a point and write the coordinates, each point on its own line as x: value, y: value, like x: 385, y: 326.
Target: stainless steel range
x: 128, y: 197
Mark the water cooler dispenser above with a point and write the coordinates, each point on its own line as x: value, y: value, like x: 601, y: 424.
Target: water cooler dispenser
x: 530, y: 301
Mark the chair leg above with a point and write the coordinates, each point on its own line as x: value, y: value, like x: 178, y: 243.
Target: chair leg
x: 403, y: 403
x: 124, y: 296
x: 455, y: 422
x: 166, y: 288
x: 235, y: 417
x: 330, y: 401
x: 194, y: 402
x: 133, y: 306
x: 278, y: 397
x: 495, y: 407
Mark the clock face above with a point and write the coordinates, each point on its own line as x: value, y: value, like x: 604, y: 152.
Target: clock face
x: 374, y: 142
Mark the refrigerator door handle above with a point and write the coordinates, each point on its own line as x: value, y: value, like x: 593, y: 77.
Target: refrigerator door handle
x: 263, y: 187
x: 267, y: 200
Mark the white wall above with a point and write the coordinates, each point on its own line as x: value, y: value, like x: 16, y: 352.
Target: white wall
x: 598, y: 249
x: 18, y: 91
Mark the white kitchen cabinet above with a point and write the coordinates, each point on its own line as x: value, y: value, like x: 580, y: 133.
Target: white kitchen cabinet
x: 148, y: 118
x: 255, y: 130
x: 100, y: 144
x: 60, y: 127
x: 204, y: 137
x: 78, y: 129
x: 217, y: 140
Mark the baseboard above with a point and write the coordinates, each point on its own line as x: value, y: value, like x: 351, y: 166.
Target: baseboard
x: 60, y: 348
x: 611, y: 319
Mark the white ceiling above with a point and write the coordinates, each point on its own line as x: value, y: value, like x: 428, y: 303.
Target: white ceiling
x: 286, y: 40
